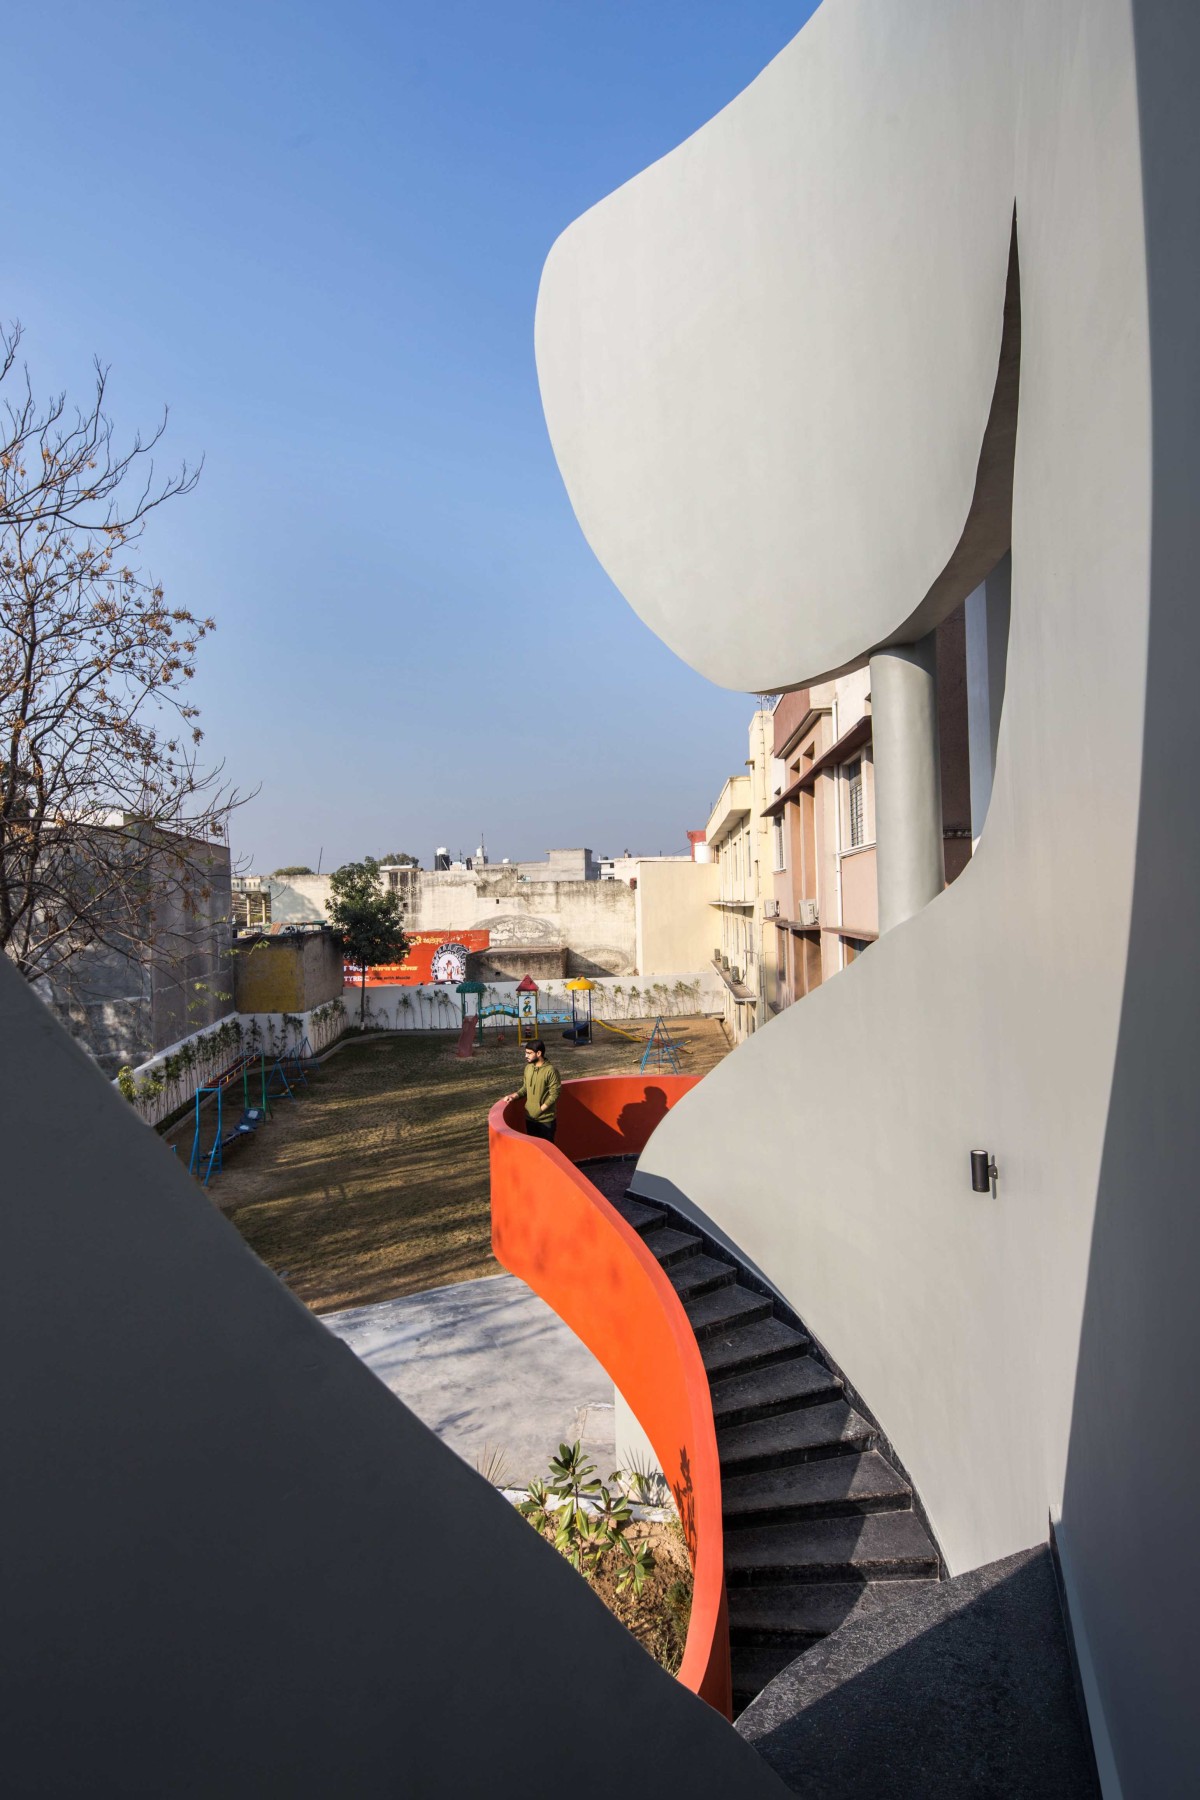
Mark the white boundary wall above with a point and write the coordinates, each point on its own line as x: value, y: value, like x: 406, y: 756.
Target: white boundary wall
x: 433, y: 1007
x: 168, y: 1080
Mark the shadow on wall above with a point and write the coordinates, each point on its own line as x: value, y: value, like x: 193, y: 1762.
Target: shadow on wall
x: 636, y: 1121
x: 966, y: 1689
x: 1133, y: 1458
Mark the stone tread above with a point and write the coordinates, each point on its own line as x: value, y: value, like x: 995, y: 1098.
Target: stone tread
x: 694, y: 1274
x: 802, y: 1612
x: 957, y: 1689
x: 671, y: 1246
x: 795, y: 1437
x: 767, y: 1340
x: 777, y: 1388
x: 871, y: 1547
x: 752, y: 1666
x: 638, y: 1214
x: 836, y: 1484
x: 719, y: 1311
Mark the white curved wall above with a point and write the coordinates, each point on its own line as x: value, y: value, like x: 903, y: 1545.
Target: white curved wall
x: 766, y: 365
x: 767, y: 362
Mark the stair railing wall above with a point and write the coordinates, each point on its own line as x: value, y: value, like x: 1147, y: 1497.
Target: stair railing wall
x: 555, y: 1230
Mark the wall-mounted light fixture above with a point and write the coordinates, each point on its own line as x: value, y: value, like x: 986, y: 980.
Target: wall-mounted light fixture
x: 983, y: 1172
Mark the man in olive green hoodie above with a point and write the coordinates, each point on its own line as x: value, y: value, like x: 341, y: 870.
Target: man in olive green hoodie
x: 539, y: 1090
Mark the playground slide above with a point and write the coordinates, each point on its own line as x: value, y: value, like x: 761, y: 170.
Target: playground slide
x: 635, y: 1037
x: 466, y: 1037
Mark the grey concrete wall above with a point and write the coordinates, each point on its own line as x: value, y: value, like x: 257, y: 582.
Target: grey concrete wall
x: 234, y: 1563
x: 300, y: 900
x: 595, y: 920
x: 123, y: 1001
x: 288, y: 973
x: 848, y: 221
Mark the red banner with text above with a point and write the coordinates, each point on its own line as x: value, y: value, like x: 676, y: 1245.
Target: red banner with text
x: 432, y: 956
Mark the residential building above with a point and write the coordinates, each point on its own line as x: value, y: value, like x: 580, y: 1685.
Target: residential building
x: 250, y: 902
x: 822, y: 825
x: 162, y: 968
x: 738, y: 839
x: 822, y: 815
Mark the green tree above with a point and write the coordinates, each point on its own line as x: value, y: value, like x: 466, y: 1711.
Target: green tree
x: 398, y: 859
x: 292, y: 869
x: 369, y: 919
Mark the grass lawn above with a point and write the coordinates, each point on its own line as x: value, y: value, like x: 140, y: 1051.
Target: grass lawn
x: 375, y: 1182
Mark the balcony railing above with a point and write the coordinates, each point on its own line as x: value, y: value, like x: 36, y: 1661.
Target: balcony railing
x: 556, y: 1231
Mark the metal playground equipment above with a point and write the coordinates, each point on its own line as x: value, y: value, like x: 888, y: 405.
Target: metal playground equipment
x: 284, y: 1075
x: 206, y: 1162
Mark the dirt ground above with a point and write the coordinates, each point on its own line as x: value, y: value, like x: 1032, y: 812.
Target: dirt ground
x: 658, y: 1616
x: 374, y: 1183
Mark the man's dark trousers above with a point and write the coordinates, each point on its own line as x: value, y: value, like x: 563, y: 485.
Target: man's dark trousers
x: 539, y: 1128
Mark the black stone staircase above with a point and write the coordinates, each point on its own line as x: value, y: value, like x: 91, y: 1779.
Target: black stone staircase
x: 819, y: 1526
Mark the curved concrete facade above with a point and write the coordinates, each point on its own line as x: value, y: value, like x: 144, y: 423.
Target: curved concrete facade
x: 773, y: 371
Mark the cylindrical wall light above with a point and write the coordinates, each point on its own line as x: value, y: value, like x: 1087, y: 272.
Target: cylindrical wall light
x: 983, y: 1172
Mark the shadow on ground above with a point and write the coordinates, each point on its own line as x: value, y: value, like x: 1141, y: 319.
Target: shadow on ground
x: 966, y: 1689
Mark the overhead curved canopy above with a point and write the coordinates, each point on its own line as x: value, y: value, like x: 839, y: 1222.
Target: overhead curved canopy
x: 768, y: 362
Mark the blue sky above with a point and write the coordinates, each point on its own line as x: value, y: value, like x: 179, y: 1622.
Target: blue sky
x: 317, y: 232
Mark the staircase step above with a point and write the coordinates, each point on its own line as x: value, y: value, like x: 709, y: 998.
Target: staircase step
x: 699, y: 1275
x: 799, y: 1613
x: 714, y: 1314
x: 752, y: 1346
x: 670, y: 1246
x: 758, y: 1394
x: 752, y: 1666
x: 638, y: 1214
x: 873, y: 1547
x: 805, y: 1435
x: 835, y: 1486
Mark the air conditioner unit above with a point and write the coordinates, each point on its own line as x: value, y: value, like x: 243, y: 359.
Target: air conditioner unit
x: 809, y: 914
x: 770, y: 909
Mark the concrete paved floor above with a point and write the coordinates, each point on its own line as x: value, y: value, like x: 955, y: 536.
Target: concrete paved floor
x: 488, y: 1366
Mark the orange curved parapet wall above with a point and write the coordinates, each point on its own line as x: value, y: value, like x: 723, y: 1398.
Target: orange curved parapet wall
x: 557, y: 1232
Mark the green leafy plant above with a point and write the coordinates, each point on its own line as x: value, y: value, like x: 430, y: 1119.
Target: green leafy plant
x: 644, y: 1481
x: 492, y: 1463
x: 586, y: 1518
x: 536, y: 1507
x: 678, y: 1602
x: 638, y: 1568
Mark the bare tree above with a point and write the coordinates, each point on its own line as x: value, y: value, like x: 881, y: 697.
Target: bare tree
x: 105, y: 811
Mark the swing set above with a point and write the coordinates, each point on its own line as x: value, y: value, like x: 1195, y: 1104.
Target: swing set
x: 286, y: 1074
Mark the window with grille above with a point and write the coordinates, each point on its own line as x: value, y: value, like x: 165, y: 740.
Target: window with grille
x: 856, y: 804
x: 777, y: 842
